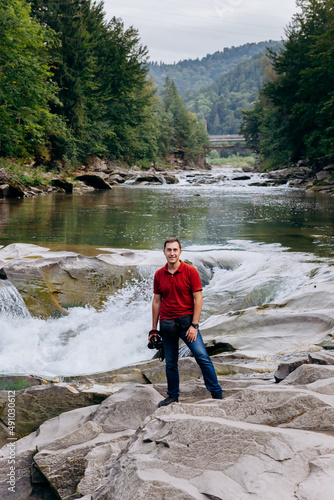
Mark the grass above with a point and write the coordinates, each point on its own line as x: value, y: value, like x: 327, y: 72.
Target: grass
x: 234, y: 160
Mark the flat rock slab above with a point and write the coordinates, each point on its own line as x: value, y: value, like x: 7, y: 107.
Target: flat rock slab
x: 187, y: 457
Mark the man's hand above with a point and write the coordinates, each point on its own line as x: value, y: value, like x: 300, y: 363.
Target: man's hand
x: 151, y: 333
x: 191, y: 334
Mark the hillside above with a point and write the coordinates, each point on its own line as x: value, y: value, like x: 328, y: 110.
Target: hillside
x: 191, y: 74
x: 221, y: 103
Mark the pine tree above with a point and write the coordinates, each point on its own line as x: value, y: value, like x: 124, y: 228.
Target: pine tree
x: 25, y: 88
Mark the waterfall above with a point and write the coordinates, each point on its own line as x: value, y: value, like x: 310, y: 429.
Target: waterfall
x: 11, y: 302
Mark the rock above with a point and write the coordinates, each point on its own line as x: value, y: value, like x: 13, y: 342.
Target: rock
x: 17, y: 382
x: 15, y: 190
x: 306, y: 374
x: 63, y: 184
x: 116, y: 179
x: 54, y: 284
x: 241, y: 178
x: 322, y: 175
x: 4, y: 178
x: 74, y: 449
x: 97, y: 164
x: 284, y: 369
x: 127, y: 408
x: 329, y: 167
x: 321, y: 358
x: 35, y: 405
x: 188, y: 369
x: 184, y: 456
x: 149, y: 178
x: 94, y: 179
x: 4, y: 190
x: 276, y: 407
x: 322, y: 386
x: 170, y: 179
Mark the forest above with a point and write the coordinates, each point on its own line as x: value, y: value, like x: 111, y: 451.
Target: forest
x: 74, y: 85
x: 191, y: 75
x: 235, y: 75
x: 293, y: 117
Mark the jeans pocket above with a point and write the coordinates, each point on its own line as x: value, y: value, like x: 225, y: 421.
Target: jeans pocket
x: 184, y: 322
x: 168, y: 327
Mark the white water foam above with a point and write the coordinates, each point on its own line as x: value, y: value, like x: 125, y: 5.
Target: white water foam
x: 85, y: 341
x: 259, y: 297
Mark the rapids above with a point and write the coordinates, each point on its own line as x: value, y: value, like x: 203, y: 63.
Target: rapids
x: 269, y: 293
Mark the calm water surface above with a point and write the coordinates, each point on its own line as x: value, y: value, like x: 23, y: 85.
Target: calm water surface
x: 141, y: 218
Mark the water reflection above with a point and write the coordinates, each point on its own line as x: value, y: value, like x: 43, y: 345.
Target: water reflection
x: 130, y: 217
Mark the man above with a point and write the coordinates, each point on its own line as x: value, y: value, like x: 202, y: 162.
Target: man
x: 177, y: 303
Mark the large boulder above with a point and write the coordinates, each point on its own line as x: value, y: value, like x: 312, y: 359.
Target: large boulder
x: 185, y: 456
x: 35, y: 405
x: 95, y: 180
x: 54, y: 284
x: 71, y: 452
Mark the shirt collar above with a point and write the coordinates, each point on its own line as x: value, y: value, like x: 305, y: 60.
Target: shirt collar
x: 179, y: 270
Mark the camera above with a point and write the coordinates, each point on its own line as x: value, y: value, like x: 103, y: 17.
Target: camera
x: 155, y: 342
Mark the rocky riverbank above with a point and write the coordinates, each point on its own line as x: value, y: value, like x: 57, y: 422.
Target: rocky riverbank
x: 104, y: 175
x: 102, y: 436
x: 98, y: 174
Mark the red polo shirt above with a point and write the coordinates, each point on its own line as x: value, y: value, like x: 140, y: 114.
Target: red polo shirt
x: 177, y: 290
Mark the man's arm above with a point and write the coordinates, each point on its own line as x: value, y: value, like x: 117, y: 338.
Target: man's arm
x: 198, y: 303
x: 156, y: 303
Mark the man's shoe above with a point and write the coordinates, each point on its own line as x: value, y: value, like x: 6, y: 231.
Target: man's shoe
x: 168, y: 401
x: 218, y: 396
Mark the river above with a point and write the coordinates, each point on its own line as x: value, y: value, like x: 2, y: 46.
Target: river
x: 264, y: 254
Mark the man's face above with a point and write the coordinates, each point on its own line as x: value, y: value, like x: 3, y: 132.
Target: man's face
x: 172, y: 252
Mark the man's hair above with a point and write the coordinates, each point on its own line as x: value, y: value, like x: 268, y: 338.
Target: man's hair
x: 171, y: 240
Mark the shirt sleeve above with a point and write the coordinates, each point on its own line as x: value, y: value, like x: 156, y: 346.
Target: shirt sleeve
x: 156, y: 284
x: 196, y: 284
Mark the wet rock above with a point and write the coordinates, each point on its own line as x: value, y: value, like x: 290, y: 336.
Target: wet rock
x: 15, y: 190
x: 63, y: 184
x: 241, y: 178
x: 306, y: 374
x: 116, y: 179
x: 148, y: 178
x: 94, y: 180
x: 170, y: 179
x: 284, y: 369
x: 55, y: 284
x: 4, y: 190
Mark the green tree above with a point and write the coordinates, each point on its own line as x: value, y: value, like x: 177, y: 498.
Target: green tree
x: 26, y: 91
x: 296, y: 120
x: 179, y: 128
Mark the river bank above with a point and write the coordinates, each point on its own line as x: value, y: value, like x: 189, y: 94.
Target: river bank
x: 104, y: 175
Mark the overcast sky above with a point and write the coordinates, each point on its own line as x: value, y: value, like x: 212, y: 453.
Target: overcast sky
x: 182, y: 29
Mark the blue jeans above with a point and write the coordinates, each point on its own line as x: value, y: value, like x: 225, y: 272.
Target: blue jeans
x: 197, y: 347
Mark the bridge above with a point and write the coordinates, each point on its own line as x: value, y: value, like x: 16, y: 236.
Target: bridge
x: 217, y: 140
